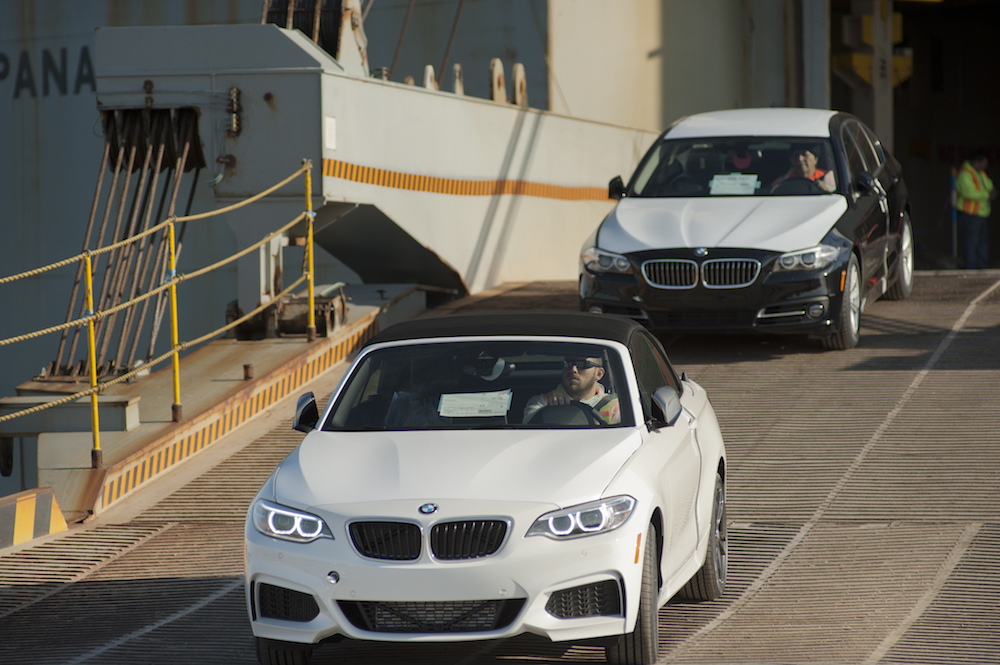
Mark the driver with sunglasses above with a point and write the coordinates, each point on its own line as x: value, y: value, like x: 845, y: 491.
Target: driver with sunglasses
x: 580, y: 382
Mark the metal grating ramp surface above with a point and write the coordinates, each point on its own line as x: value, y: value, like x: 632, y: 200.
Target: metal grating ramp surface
x: 865, y: 520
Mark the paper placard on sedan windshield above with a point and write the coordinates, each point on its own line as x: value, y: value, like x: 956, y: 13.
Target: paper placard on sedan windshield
x: 734, y: 183
x: 471, y: 405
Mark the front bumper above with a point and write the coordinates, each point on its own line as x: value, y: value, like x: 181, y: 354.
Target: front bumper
x: 515, y: 584
x: 798, y: 302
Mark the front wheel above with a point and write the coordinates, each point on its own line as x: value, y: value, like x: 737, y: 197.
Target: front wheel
x: 710, y: 581
x: 903, y: 287
x: 275, y: 652
x: 641, y: 646
x: 849, y: 329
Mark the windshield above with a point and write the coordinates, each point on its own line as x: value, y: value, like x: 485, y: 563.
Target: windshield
x: 737, y: 166
x: 497, y: 384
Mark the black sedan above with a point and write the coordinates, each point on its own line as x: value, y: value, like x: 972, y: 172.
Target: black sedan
x: 764, y: 220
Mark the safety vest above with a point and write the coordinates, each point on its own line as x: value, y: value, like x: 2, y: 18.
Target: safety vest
x: 973, y: 191
x: 792, y: 173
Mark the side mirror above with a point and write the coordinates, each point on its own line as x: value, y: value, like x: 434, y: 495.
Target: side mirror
x: 306, y: 414
x: 616, y: 188
x: 669, y: 404
x: 866, y: 182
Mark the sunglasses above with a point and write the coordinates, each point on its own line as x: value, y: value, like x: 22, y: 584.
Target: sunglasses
x: 579, y: 363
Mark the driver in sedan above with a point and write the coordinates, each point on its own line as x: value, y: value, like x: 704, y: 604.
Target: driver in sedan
x: 804, y: 161
x: 581, y: 383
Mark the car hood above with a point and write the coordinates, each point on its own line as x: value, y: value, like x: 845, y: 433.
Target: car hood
x: 561, y: 467
x: 778, y: 223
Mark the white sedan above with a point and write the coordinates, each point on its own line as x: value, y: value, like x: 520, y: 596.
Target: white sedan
x: 488, y: 475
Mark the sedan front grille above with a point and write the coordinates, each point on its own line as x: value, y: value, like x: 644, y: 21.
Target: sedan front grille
x: 671, y: 273
x: 467, y: 540
x: 729, y: 273
x: 713, y: 273
x: 392, y: 541
x: 461, y: 616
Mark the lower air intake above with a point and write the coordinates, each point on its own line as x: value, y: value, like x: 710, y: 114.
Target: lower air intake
x: 590, y: 600
x: 276, y: 602
x: 464, y: 616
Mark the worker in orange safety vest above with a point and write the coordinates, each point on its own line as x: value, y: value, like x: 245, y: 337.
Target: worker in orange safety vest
x: 974, y: 191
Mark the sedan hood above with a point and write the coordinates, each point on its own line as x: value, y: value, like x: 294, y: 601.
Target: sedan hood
x: 561, y: 467
x: 773, y: 223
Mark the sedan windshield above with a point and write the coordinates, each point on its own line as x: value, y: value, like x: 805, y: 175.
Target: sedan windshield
x: 496, y: 384
x: 737, y: 166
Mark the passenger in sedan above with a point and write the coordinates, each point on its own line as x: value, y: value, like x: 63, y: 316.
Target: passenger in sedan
x: 418, y: 406
x: 804, y: 165
x: 580, y: 383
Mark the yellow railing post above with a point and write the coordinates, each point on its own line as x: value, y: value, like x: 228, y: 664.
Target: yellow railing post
x: 310, y: 267
x: 175, y: 408
x: 96, y: 456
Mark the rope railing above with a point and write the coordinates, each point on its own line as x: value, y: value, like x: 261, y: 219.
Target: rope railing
x: 100, y: 387
x: 97, y: 316
x: 170, y: 284
x: 154, y: 229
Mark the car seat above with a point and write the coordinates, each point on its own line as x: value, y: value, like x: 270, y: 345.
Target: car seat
x: 703, y: 163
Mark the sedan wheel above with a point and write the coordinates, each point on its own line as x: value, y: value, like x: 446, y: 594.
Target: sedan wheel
x: 710, y: 581
x: 904, y: 264
x: 641, y: 646
x: 849, y: 332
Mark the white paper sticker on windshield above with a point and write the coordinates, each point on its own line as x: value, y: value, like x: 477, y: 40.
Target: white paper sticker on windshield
x: 471, y: 405
x: 734, y: 184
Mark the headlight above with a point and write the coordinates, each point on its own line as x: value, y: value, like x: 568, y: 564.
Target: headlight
x: 288, y: 524
x: 814, y: 258
x: 584, y: 520
x: 597, y: 260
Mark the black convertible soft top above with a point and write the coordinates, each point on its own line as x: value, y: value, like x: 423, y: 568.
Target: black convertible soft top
x: 554, y: 324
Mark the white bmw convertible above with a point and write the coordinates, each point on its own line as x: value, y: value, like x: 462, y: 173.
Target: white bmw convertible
x: 483, y: 476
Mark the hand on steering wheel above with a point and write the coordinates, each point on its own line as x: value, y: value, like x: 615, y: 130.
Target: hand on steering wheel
x: 566, y: 406
x: 797, y: 186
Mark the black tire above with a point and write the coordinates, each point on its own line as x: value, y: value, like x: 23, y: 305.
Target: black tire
x: 903, y: 286
x: 710, y: 581
x: 849, y: 329
x: 275, y: 652
x: 641, y: 646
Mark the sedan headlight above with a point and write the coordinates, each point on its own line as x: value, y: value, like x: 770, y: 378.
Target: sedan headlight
x: 288, y: 524
x: 597, y: 260
x: 584, y: 520
x: 813, y: 258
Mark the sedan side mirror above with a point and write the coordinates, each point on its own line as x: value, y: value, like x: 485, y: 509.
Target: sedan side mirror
x: 616, y: 188
x: 306, y: 413
x: 866, y: 182
x: 669, y: 404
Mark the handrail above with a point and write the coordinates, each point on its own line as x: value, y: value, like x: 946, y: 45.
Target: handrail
x: 177, y: 279
x: 173, y: 279
x: 153, y: 229
x: 99, y: 388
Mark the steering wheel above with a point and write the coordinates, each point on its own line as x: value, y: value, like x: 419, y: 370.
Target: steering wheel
x: 797, y: 186
x: 574, y: 413
x: 684, y: 184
